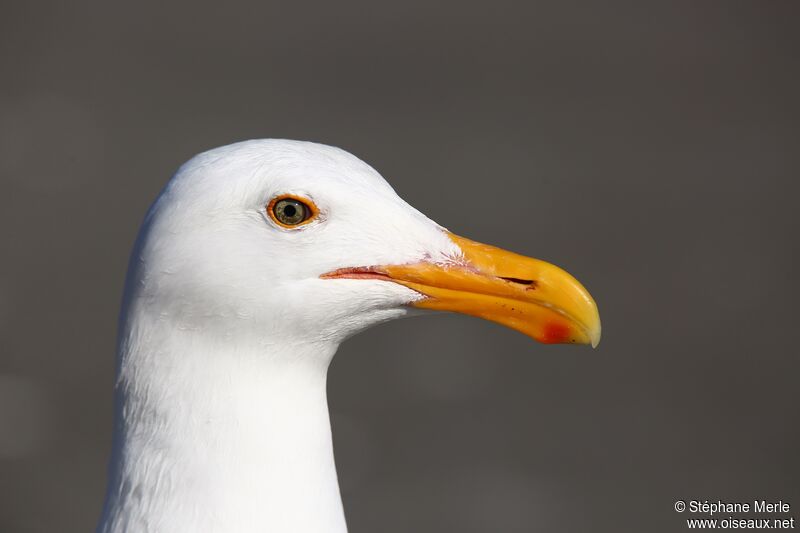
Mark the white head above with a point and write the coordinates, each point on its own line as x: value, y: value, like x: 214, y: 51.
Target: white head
x: 213, y: 257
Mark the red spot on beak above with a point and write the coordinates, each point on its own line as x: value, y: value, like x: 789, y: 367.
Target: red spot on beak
x: 556, y: 332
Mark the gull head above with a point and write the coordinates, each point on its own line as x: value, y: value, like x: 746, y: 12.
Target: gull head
x: 288, y: 241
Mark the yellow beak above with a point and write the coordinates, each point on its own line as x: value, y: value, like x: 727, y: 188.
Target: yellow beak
x: 525, y: 294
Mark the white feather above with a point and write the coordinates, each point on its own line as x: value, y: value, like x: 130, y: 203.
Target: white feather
x: 227, y: 332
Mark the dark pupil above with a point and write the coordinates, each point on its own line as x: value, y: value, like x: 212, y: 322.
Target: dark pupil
x: 289, y: 211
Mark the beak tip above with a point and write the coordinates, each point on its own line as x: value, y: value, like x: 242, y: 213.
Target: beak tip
x: 594, y: 337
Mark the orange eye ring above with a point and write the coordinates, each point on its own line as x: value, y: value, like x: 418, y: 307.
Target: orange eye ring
x: 291, y: 211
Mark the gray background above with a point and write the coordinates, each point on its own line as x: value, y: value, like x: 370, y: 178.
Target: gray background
x: 651, y: 150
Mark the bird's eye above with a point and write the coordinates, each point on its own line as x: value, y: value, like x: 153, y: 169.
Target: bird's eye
x: 289, y: 211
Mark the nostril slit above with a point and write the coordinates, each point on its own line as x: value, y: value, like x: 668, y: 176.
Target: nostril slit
x: 530, y: 282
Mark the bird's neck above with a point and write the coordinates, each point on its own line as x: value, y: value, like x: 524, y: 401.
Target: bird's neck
x: 215, y: 436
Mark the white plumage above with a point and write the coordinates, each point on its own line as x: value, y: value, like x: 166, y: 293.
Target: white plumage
x: 227, y: 331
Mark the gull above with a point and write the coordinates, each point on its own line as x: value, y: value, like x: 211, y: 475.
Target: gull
x: 251, y: 267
